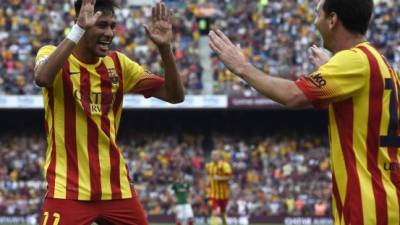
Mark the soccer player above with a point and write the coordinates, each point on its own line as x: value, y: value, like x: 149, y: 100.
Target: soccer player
x: 83, y: 85
x: 183, y: 209
x: 219, y: 172
x: 361, y: 91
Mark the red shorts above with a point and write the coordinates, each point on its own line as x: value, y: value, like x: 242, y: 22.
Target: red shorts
x: 73, y: 212
x: 219, y: 204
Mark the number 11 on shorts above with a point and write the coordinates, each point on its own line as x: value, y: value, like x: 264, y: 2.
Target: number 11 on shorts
x: 56, y: 217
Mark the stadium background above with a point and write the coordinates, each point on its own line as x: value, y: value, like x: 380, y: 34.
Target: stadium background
x: 280, y: 157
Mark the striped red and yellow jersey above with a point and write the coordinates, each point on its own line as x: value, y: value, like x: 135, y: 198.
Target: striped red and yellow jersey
x: 82, y: 112
x: 218, y: 189
x: 362, y: 93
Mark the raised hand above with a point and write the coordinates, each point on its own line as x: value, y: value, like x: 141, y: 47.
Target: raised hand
x: 160, y: 28
x: 227, y: 52
x: 87, y: 17
x: 319, y: 56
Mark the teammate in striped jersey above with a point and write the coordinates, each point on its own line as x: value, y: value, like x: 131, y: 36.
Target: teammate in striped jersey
x: 83, y: 85
x: 219, y: 172
x: 361, y: 91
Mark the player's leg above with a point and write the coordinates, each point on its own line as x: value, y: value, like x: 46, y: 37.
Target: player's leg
x: 124, y: 211
x: 215, y: 210
x: 189, y: 214
x: 66, y: 212
x: 222, y: 205
x: 179, y: 212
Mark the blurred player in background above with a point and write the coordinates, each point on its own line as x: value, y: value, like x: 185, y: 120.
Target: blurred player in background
x: 219, y: 172
x: 183, y: 209
x: 83, y: 85
x: 361, y: 91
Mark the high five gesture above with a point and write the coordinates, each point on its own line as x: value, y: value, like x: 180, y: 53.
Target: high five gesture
x: 87, y: 17
x: 160, y: 28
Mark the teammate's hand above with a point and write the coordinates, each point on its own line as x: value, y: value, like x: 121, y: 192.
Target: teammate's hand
x: 160, y: 28
x: 227, y: 52
x: 87, y: 17
x: 319, y: 56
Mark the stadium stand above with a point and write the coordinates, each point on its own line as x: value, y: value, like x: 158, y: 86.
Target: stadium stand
x: 274, y: 175
x: 259, y: 28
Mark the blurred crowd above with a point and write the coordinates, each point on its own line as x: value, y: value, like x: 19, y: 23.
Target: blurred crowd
x: 275, y: 36
x: 282, y: 174
x: 27, y: 25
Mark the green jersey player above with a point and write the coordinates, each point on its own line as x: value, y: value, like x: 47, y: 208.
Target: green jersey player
x: 183, y: 209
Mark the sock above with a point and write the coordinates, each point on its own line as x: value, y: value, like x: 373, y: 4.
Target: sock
x: 213, y: 220
x: 224, y: 220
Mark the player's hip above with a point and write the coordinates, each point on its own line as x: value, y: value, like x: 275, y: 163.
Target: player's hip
x: 66, y: 212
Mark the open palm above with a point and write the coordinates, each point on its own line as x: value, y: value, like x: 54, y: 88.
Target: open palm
x: 87, y: 17
x: 160, y: 28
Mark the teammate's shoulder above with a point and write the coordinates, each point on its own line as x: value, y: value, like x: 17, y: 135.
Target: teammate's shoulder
x: 348, y: 58
x: 47, y: 48
x: 209, y: 164
x: 226, y: 164
x: 352, y: 53
x: 120, y: 56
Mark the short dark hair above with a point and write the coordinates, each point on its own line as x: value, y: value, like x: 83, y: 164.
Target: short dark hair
x: 101, y: 5
x: 354, y: 14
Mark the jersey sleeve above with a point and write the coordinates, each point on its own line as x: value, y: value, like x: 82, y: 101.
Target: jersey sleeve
x: 227, y: 169
x: 44, y: 52
x: 136, y: 79
x: 208, y: 168
x: 342, y: 77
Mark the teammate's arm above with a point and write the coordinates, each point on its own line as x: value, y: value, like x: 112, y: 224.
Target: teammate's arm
x: 160, y: 32
x: 280, y: 90
x: 319, y: 56
x: 222, y: 178
x: 171, y: 191
x: 47, y: 68
x: 227, y: 173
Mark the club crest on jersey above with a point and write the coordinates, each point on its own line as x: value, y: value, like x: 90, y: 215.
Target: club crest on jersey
x: 112, y: 74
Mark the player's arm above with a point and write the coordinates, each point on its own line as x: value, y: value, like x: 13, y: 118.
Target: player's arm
x: 227, y: 173
x: 190, y: 195
x: 222, y: 178
x: 160, y: 32
x: 171, y: 191
x: 280, y: 90
x: 46, y: 68
x: 319, y: 56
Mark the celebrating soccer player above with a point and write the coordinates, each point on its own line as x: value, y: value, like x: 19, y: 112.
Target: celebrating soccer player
x: 361, y: 91
x: 83, y: 85
x: 219, y: 173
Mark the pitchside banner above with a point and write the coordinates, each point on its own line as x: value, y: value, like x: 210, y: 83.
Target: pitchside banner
x: 139, y: 102
x: 257, y: 102
x: 130, y: 102
x: 238, y: 220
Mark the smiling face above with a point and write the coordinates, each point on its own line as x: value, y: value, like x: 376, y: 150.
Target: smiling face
x: 98, y: 39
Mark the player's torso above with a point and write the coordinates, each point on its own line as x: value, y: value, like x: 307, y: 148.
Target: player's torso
x: 82, y: 115
x: 181, y: 192
x: 217, y: 189
x: 364, y: 139
x: 92, y: 88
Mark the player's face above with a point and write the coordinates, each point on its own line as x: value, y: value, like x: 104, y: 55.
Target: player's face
x: 215, y: 156
x: 322, y: 24
x: 99, y: 37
